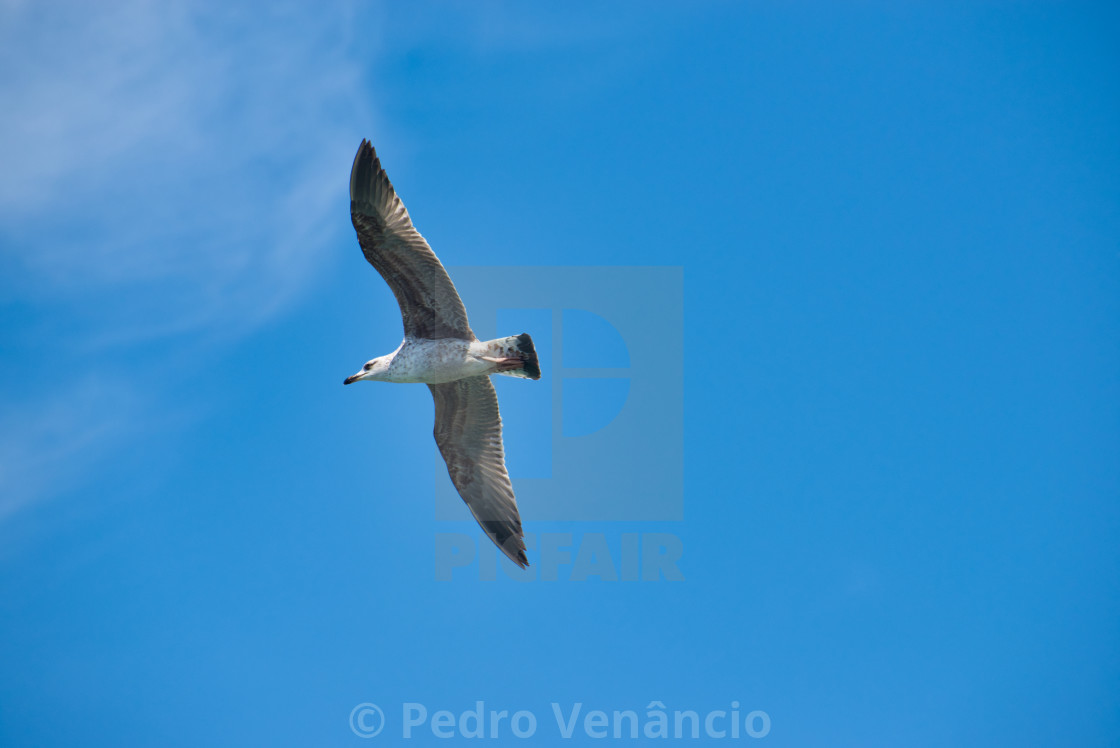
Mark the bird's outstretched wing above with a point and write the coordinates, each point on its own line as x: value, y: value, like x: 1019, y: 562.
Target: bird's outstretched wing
x: 429, y: 303
x: 469, y: 434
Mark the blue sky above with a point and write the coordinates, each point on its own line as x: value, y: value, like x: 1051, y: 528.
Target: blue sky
x: 896, y: 367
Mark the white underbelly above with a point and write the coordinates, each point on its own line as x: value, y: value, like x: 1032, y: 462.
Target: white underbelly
x: 436, y: 361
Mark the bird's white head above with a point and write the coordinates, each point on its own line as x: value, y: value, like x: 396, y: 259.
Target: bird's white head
x: 374, y: 370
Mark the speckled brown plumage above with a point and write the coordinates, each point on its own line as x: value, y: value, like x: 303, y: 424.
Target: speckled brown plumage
x: 430, y: 305
x: 468, y: 432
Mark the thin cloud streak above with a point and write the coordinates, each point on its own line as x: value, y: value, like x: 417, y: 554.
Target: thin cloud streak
x: 163, y: 152
x: 45, y: 448
x: 171, y: 172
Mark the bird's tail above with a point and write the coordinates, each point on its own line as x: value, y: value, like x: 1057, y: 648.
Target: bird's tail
x: 518, y: 346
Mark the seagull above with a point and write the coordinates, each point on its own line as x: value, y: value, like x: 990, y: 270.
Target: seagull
x: 440, y: 350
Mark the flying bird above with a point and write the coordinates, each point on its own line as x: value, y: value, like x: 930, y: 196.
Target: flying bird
x: 440, y: 350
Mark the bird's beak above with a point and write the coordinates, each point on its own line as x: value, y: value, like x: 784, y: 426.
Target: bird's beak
x: 353, y: 378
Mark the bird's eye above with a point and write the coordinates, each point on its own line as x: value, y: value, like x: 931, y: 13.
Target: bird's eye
x: 368, y: 366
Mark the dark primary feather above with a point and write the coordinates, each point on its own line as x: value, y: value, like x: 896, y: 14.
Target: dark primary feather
x: 430, y: 306
x: 469, y: 434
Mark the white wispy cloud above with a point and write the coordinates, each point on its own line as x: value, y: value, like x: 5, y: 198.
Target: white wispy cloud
x: 158, y: 150
x: 171, y: 170
x: 45, y: 446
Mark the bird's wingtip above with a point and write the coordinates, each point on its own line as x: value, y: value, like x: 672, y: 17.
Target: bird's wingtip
x: 361, y: 173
